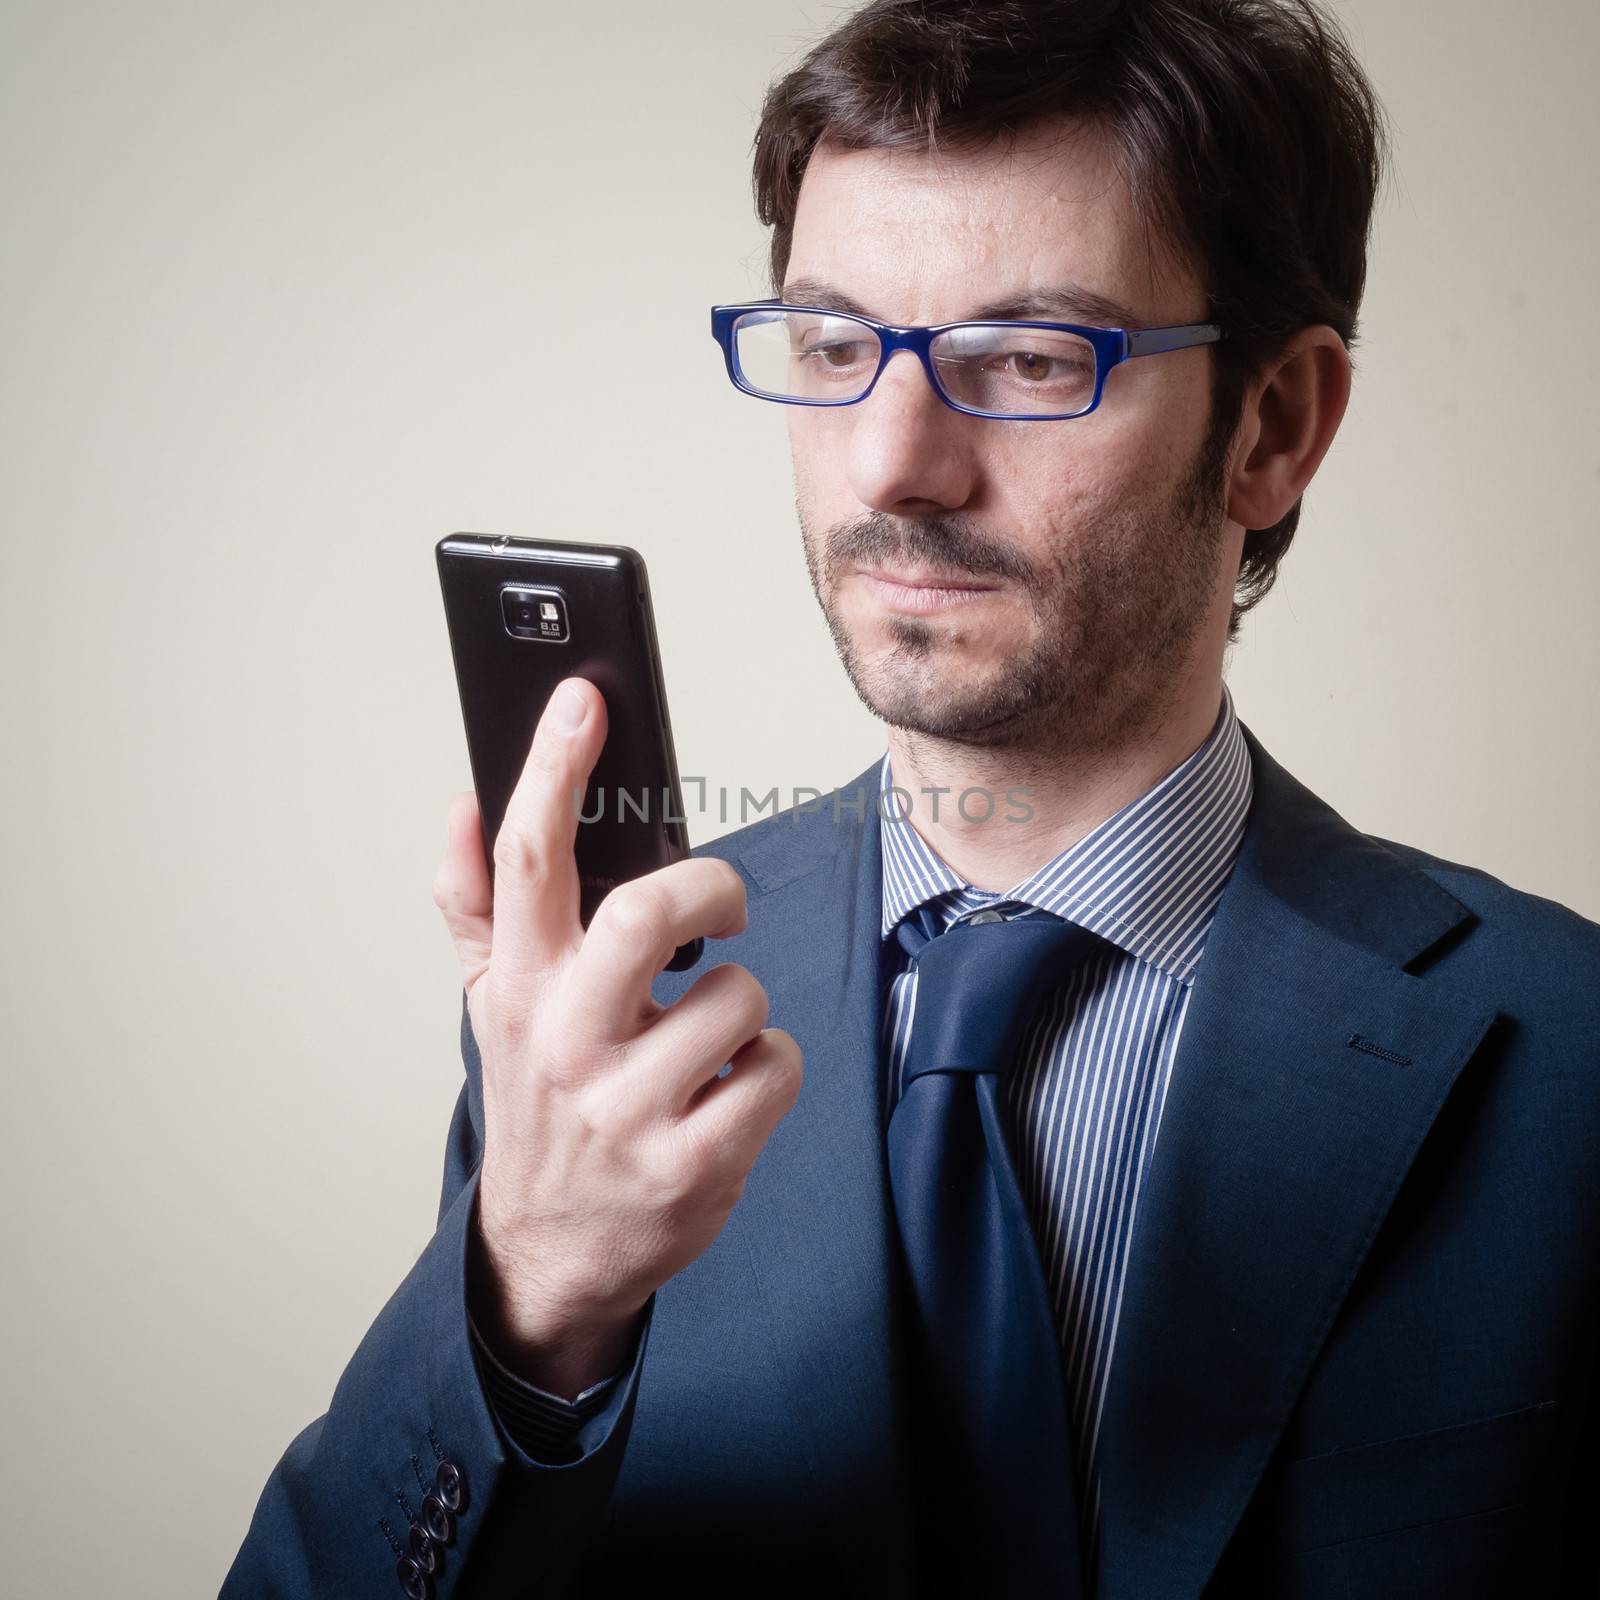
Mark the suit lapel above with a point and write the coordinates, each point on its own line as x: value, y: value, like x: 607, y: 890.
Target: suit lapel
x: 1281, y: 1145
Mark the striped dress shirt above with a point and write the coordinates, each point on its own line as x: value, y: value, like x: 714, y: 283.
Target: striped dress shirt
x: 1086, y: 1093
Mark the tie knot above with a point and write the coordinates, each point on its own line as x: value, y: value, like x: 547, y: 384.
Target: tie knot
x: 922, y: 923
x: 979, y: 984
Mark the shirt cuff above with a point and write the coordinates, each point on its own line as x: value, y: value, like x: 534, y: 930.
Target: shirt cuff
x: 543, y: 1425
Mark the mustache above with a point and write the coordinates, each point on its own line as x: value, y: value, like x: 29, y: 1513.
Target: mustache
x: 940, y: 542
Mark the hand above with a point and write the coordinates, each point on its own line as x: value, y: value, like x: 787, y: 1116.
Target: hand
x: 614, y: 1151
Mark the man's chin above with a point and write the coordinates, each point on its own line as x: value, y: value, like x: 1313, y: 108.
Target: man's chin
x: 931, y: 650
x: 941, y: 705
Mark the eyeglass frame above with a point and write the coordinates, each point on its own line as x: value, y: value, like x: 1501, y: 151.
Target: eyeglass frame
x: 1112, y: 346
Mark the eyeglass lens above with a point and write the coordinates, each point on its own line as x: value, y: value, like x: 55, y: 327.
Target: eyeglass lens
x: 990, y: 366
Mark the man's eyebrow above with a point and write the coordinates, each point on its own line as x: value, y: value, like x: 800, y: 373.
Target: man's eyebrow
x: 1068, y: 302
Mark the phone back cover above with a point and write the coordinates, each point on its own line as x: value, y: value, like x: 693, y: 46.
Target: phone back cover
x: 505, y: 682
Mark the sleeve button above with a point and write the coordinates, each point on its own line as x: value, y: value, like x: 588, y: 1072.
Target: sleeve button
x: 423, y: 1550
x: 412, y: 1579
x: 451, y: 1484
x: 437, y: 1520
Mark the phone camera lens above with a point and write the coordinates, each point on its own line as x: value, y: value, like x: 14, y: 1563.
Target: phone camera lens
x: 534, y: 614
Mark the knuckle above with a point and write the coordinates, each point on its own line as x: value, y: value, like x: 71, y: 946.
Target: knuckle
x: 753, y: 997
x: 449, y: 895
x: 734, y: 1006
x: 704, y: 1151
x: 516, y: 854
x: 733, y: 884
x: 788, y: 1064
x: 796, y: 1069
x: 666, y: 1168
x: 633, y: 913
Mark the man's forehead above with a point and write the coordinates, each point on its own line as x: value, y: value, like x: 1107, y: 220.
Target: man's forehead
x: 1069, y: 158
x: 958, y: 227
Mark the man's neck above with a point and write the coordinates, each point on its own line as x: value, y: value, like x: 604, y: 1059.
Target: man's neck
x: 1040, y: 802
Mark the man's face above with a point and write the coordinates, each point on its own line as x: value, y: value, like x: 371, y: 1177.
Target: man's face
x: 1103, y: 540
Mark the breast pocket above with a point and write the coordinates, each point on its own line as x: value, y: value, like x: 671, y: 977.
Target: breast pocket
x: 1465, y: 1510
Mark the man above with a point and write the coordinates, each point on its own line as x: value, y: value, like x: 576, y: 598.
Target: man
x: 1250, y: 1251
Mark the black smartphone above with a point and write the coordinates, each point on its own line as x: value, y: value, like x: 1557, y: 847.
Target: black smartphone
x: 525, y: 613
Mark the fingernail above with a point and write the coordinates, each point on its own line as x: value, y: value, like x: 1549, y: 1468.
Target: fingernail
x: 568, y: 709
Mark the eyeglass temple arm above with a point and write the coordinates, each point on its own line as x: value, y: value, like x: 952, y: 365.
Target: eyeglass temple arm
x: 1152, y: 341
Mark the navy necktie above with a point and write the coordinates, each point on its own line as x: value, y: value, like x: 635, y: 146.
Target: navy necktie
x: 1001, y: 1507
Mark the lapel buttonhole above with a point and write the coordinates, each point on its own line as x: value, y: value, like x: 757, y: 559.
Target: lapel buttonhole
x: 1356, y: 1042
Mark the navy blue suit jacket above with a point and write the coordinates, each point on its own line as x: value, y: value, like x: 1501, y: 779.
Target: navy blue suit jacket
x: 1358, y: 1340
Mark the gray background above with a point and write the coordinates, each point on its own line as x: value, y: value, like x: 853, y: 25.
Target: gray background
x: 288, y: 292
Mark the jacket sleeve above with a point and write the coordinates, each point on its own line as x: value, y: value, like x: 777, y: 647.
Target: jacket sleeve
x: 409, y: 1484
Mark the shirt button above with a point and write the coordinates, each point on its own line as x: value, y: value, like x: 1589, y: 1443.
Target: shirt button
x: 987, y: 916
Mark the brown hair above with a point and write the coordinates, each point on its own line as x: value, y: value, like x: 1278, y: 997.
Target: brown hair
x: 1246, y: 131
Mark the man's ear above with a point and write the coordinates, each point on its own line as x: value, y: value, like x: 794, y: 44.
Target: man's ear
x: 1290, y: 418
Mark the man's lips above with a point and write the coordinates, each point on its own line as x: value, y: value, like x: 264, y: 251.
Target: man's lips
x: 923, y: 591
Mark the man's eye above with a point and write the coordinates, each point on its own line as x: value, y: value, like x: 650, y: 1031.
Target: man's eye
x: 1030, y: 365
x: 840, y: 353
x: 1039, y: 366
x: 1036, y: 363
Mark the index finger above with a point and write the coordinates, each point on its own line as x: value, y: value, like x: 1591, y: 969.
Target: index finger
x: 536, y: 904
x: 638, y: 925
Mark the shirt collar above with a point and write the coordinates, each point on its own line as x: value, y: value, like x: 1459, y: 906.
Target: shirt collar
x: 1147, y: 879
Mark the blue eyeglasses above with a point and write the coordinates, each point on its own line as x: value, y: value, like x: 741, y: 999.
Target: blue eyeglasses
x: 1020, y: 371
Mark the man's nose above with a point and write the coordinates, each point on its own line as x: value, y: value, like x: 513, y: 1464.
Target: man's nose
x: 907, y: 445
x: 904, y: 375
